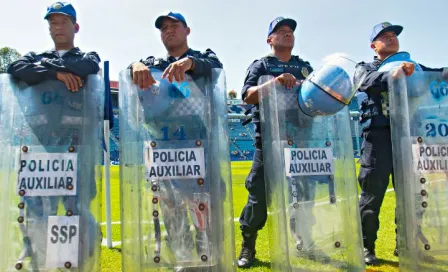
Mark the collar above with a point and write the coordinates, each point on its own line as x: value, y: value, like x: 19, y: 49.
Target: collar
x: 376, y: 61
x: 74, y: 50
x: 169, y: 58
x: 271, y: 55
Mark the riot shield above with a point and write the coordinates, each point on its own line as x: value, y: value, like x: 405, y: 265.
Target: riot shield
x: 419, y: 127
x: 311, y: 185
x: 50, y: 176
x: 175, y: 175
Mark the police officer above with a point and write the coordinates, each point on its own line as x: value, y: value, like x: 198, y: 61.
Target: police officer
x: 376, y: 151
x: 179, y: 61
x: 65, y: 63
x: 288, y: 70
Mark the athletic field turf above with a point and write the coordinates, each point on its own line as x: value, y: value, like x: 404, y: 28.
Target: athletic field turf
x: 111, y: 258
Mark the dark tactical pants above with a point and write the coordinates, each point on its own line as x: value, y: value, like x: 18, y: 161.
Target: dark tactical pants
x: 373, y: 178
x: 254, y: 214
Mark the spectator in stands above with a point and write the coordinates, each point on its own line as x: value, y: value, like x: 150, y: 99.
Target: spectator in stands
x: 376, y: 151
x: 288, y: 70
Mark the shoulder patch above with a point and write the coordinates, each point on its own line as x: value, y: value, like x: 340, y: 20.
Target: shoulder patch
x: 305, y: 72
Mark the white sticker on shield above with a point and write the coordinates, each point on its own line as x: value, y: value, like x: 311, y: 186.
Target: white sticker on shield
x: 48, y: 174
x: 62, y: 241
x: 308, y: 161
x: 182, y: 163
x: 430, y: 158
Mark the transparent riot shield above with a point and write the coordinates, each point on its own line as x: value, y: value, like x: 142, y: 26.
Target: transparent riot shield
x: 419, y: 127
x: 51, y: 176
x: 311, y: 185
x: 175, y: 175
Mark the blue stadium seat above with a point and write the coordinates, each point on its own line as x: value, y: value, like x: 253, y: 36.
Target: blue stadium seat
x: 241, y: 138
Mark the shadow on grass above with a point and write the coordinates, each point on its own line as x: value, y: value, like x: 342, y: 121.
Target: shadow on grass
x: 378, y: 267
x: 388, y: 262
x: 116, y: 249
x: 258, y: 263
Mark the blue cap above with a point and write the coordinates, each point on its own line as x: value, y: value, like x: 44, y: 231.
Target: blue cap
x: 279, y: 21
x: 385, y: 27
x: 172, y: 15
x: 61, y: 8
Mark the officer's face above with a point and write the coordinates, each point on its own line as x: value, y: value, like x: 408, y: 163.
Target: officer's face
x: 62, y: 28
x: 283, y: 37
x: 386, y: 43
x: 173, y: 33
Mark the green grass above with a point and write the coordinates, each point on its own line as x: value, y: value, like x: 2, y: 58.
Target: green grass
x: 111, y: 258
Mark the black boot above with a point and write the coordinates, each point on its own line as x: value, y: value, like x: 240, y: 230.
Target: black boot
x: 396, y: 251
x: 247, y: 255
x: 370, y: 257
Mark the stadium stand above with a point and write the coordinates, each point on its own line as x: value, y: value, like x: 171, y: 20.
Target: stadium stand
x: 241, y: 138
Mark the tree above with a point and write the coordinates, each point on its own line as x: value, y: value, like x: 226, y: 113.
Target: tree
x: 232, y: 94
x: 7, y: 56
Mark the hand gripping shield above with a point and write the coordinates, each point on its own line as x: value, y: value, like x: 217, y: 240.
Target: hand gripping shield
x: 175, y: 175
x: 311, y: 187
x: 50, y: 175
x: 419, y: 127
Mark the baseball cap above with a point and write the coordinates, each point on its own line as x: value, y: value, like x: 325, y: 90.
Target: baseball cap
x: 61, y: 8
x: 384, y: 27
x: 172, y: 15
x: 279, y: 21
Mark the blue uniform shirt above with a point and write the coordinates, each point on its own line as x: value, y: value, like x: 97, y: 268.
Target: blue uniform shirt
x: 204, y: 62
x: 372, y: 94
x: 270, y: 65
x: 35, y: 68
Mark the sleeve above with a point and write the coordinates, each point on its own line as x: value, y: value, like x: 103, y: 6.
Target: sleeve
x: 372, y: 81
x: 204, y: 63
x: 30, y: 70
x: 255, y: 70
x: 81, y: 66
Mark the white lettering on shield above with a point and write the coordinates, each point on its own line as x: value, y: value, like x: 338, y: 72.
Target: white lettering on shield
x: 430, y: 158
x: 48, y: 174
x: 182, y: 163
x: 63, y: 236
x: 308, y: 161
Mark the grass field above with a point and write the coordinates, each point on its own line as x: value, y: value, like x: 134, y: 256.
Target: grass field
x: 111, y: 258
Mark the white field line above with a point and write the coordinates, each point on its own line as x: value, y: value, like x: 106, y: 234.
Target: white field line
x: 236, y: 219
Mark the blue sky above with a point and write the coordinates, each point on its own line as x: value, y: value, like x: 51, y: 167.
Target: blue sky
x: 123, y: 31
